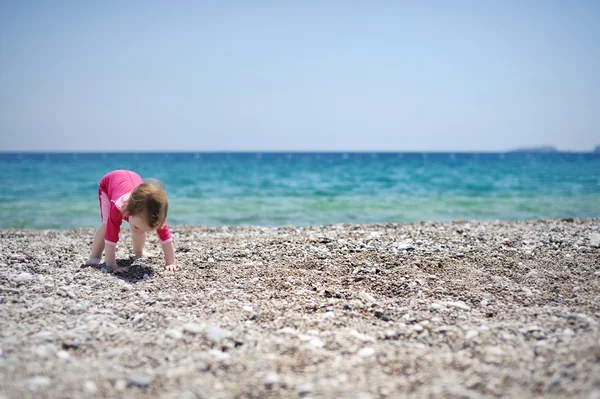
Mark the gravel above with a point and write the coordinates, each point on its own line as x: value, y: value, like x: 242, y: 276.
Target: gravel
x: 461, y: 309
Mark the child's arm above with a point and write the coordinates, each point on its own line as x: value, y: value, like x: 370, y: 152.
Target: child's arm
x: 169, y: 251
x: 167, y: 245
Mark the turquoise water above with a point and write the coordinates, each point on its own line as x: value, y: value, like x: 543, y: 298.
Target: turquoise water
x: 274, y: 189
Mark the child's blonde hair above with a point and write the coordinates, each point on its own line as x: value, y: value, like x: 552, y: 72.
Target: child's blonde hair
x: 150, y: 201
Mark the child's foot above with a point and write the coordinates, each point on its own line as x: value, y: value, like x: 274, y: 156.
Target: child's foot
x: 93, y: 262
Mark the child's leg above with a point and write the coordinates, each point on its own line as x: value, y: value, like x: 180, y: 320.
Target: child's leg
x: 138, y: 240
x: 97, y: 246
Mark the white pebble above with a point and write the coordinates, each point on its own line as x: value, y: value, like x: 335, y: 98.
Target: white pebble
x: 193, y: 328
x: 90, y: 387
x: 391, y: 334
x: 39, y: 381
x: 366, y: 352
x: 23, y: 277
x: 315, y: 343
x: 304, y: 389
x: 367, y: 297
x: 217, y: 334
x: 458, y: 305
x: 272, y: 379
x: 595, y: 239
x: 173, y: 334
x: 287, y: 330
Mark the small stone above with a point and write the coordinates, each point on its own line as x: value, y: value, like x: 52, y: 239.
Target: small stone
x: 304, y: 389
x: 217, y: 334
x: 211, y: 260
x: 113, y: 352
x: 22, y: 278
x: 71, y: 343
x: 595, y: 240
x: 361, y: 337
x: 173, y: 334
x: 120, y: 385
x: 458, y: 305
x: 46, y: 351
x: 471, y: 334
x: 247, y: 309
x: 418, y: 328
x: 138, y: 318
x: 63, y: 355
x: 383, y: 315
x: 140, y: 380
x: 493, y: 354
x: 126, y: 287
x: 568, y: 332
x: 390, y: 334
x: 367, y: 297
x: 435, y: 306
x: 287, y: 330
x: 104, y: 269
x: 315, y: 343
x: 193, y: 328
x: 365, y: 352
x: 90, y: 387
x: 39, y: 381
x: 272, y: 379
x: 219, y: 356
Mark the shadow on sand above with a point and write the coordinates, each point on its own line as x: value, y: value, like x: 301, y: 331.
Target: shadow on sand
x: 135, y: 273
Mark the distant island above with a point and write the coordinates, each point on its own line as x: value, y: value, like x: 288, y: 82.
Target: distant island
x: 597, y: 149
x: 543, y: 149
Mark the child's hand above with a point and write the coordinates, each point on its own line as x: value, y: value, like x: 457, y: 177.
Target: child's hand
x: 171, y: 267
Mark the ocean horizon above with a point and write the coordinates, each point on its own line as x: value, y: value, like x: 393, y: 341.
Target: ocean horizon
x: 58, y: 190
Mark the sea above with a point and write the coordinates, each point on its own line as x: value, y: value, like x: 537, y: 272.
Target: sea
x: 59, y: 190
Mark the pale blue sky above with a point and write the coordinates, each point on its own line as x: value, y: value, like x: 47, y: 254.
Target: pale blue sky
x: 271, y: 75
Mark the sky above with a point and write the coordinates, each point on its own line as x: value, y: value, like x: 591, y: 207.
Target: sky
x: 299, y: 76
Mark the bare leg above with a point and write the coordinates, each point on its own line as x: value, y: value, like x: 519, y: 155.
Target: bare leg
x: 97, y: 246
x: 138, y: 240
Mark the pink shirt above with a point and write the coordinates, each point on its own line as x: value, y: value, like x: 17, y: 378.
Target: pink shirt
x: 117, y: 185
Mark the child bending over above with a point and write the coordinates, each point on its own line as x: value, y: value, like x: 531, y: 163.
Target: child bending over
x: 123, y: 195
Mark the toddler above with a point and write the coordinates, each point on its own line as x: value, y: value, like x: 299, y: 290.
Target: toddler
x: 124, y: 195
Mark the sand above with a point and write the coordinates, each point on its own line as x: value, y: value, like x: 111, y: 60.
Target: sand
x: 457, y: 310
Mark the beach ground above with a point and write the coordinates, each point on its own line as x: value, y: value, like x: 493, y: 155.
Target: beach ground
x: 456, y: 310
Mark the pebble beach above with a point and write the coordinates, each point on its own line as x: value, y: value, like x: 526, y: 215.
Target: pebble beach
x: 436, y: 310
